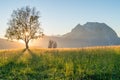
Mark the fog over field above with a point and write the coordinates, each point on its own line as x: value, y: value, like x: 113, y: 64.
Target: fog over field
x: 89, y: 34
x: 6, y: 44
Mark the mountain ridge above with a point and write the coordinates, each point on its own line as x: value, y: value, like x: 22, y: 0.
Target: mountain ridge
x: 88, y: 34
x: 91, y: 27
x: 95, y: 34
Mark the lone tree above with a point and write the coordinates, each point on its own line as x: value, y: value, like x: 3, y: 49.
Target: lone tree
x: 24, y: 25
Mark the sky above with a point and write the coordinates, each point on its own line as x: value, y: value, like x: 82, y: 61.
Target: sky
x: 60, y: 16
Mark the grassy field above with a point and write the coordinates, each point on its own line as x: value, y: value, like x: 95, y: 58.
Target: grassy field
x: 97, y: 63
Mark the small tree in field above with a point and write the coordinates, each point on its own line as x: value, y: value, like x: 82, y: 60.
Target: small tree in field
x: 24, y: 25
x: 55, y: 45
x: 52, y: 44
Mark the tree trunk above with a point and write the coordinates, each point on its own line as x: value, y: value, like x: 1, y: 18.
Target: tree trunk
x: 27, y: 46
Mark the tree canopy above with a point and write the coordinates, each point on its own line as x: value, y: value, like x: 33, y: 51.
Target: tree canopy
x: 24, y: 24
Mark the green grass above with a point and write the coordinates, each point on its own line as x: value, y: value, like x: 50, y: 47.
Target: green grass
x: 101, y: 63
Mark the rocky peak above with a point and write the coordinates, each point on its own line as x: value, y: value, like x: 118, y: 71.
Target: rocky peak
x: 92, y: 29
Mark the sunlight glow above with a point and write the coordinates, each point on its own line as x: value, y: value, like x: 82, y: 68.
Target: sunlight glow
x: 31, y: 43
x: 26, y: 33
x: 21, y: 41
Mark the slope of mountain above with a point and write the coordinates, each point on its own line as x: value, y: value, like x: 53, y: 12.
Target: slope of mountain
x: 92, y: 30
x: 5, y: 44
x: 94, y: 33
x: 89, y: 34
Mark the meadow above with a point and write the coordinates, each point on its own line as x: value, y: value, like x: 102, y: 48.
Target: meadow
x: 95, y: 63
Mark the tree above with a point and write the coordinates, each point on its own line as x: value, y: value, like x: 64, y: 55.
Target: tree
x: 55, y: 45
x: 24, y: 24
x: 52, y: 44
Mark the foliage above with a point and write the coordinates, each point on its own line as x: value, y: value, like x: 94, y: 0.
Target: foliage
x: 61, y: 64
x: 24, y: 24
x: 52, y: 44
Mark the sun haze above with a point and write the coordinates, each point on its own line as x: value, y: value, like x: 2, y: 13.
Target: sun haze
x: 60, y: 16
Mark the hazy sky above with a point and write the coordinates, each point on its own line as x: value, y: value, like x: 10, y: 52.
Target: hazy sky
x: 60, y: 16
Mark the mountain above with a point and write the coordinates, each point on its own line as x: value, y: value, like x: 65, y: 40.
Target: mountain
x: 94, y: 33
x: 5, y: 44
x: 89, y: 34
x: 92, y: 30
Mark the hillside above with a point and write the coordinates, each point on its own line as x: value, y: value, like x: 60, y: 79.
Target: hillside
x: 6, y: 44
x: 93, y: 33
x: 89, y: 34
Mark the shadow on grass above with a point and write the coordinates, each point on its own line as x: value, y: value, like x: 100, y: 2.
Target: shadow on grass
x: 40, y: 70
x: 39, y: 66
x: 36, y: 65
x: 35, y: 59
x: 7, y: 68
x: 20, y: 54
